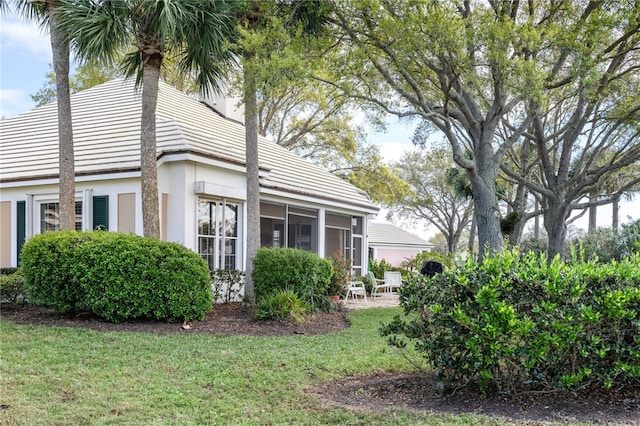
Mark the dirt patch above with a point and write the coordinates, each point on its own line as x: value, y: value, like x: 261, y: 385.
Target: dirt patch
x: 378, y: 391
x: 417, y: 392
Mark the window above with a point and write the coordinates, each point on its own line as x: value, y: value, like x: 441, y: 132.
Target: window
x: 50, y: 216
x: 218, y: 234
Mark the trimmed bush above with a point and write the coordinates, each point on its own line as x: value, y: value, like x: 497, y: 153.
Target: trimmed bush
x: 303, y: 272
x: 12, y: 287
x: 518, y: 322
x: 47, y: 260
x: 117, y: 276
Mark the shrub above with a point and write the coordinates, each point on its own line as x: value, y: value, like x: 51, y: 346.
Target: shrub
x: 118, y: 276
x: 606, y: 244
x: 227, y: 285
x: 518, y: 322
x: 378, y: 268
x: 47, y: 260
x: 12, y: 287
x: 303, y: 272
x: 8, y: 270
x: 282, y: 305
x: 341, y: 272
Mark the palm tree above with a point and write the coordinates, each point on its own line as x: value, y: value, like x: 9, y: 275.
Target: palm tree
x: 254, y: 17
x: 196, y: 32
x: 47, y: 12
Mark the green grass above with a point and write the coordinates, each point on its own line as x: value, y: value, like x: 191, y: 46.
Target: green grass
x: 62, y: 376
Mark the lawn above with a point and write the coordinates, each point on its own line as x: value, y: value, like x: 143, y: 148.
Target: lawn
x: 62, y: 376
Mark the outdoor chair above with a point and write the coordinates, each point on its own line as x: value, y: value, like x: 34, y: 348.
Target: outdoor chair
x: 355, y: 289
x: 393, y: 280
x: 377, y: 285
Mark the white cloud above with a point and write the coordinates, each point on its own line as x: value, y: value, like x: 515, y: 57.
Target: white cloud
x: 14, y: 102
x: 25, y: 37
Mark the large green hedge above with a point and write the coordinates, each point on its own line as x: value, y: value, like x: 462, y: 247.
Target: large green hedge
x: 518, y: 322
x: 306, y: 273
x: 116, y: 276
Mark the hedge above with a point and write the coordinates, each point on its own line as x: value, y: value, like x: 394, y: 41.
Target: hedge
x: 306, y: 273
x: 518, y: 322
x: 116, y: 276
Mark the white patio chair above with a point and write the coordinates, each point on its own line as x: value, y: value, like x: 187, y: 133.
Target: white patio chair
x: 393, y: 280
x: 355, y: 289
x: 377, y: 284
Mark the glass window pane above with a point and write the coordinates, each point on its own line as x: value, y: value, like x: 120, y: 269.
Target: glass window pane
x: 49, y: 217
x: 206, y: 217
x: 231, y: 220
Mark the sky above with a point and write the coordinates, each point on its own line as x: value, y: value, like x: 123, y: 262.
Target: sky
x: 25, y: 58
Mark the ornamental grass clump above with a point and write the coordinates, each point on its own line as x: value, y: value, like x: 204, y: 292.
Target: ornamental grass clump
x: 520, y: 322
x: 116, y: 276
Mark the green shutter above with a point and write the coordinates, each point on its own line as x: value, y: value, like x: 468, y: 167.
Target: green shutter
x: 21, y: 227
x: 101, y: 212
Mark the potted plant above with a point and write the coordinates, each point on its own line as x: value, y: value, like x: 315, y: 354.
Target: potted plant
x: 340, y: 275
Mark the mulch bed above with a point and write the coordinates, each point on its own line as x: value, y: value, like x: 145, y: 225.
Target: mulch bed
x: 377, y: 391
x: 225, y: 319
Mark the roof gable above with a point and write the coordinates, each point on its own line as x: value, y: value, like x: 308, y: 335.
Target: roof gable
x: 391, y: 235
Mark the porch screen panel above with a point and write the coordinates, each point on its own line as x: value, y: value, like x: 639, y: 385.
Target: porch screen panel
x: 302, y: 229
x: 272, y: 218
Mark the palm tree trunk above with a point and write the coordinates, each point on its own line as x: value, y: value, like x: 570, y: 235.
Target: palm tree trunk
x: 615, y: 213
x: 66, y: 161
x: 148, y: 151
x: 253, y: 182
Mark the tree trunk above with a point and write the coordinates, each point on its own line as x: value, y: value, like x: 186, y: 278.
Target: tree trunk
x: 485, y: 200
x: 615, y: 213
x: 253, y: 182
x: 593, y: 214
x: 472, y: 233
x: 148, y: 151
x: 66, y: 162
x: 536, y: 222
x: 555, y: 224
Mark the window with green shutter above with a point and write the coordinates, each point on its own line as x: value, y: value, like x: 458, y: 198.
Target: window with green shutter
x: 21, y: 227
x: 101, y: 212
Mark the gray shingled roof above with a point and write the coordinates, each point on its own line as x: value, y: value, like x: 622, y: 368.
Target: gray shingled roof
x: 106, y: 125
x: 390, y: 235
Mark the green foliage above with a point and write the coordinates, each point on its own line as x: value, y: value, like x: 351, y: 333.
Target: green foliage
x: 12, y: 287
x: 378, y: 268
x: 227, y: 285
x: 47, y: 260
x: 116, y: 276
x: 340, y: 275
x: 304, y: 272
x: 8, y: 271
x: 509, y: 222
x: 608, y: 244
x: 420, y: 259
x: 518, y: 322
x: 282, y: 305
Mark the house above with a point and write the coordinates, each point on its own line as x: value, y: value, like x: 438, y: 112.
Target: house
x: 394, y: 244
x: 201, y: 180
